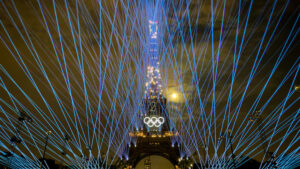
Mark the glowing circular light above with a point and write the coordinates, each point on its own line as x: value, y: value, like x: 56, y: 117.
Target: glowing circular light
x: 174, y: 95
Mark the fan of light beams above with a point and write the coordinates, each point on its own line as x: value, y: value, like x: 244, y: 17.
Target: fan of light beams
x: 73, y: 73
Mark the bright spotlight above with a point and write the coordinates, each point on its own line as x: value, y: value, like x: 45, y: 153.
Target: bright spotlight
x: 174, y: 95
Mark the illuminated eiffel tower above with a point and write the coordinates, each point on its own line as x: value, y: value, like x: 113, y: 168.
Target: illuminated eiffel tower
x: 153, y: 134
x: 154, y: 113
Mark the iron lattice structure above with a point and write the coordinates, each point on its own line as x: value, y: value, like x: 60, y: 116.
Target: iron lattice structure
x: 154, y: 137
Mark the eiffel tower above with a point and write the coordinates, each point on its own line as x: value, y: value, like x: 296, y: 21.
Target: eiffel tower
x: 154, y: 134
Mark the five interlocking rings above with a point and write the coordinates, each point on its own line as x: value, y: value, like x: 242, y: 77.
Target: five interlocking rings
x: 154, y: 121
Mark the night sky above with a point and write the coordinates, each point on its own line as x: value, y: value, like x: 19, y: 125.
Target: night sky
x: 116, y: 53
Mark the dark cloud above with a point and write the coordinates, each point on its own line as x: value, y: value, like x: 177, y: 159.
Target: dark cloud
x: 189, y: 60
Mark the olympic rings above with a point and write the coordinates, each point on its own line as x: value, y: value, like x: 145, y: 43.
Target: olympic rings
x: 154, y: 121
